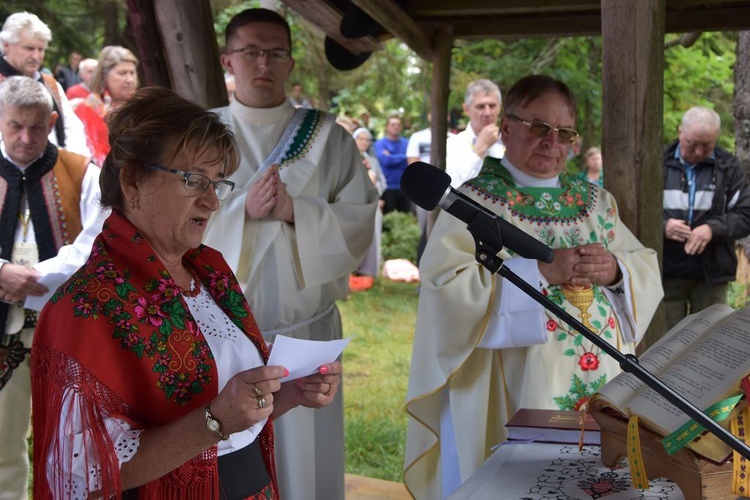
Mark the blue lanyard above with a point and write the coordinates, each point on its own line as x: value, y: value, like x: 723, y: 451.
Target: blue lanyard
x: 690, y: 175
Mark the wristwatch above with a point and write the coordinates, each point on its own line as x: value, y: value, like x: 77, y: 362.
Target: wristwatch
x: 212, y: 424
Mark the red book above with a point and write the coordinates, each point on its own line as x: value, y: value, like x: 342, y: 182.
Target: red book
x: 553, y: 426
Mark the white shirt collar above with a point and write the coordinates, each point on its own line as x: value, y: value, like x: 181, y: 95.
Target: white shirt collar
x: 522, y: 179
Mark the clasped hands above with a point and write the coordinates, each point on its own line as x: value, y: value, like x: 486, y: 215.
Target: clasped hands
x: 268, y: 196
x: 584, y: 265
x: 237, y: 406
x: 696, y: 240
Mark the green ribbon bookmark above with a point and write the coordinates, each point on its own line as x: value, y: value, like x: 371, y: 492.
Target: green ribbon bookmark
x: 692, y: 429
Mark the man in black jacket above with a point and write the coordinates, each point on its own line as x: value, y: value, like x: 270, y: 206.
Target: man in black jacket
x: 706, y: 208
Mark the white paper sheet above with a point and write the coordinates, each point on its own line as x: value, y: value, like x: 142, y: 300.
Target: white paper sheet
x: 51, y: 281
x: 304, y: 357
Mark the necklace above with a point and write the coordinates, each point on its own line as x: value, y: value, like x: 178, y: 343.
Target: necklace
x: 195, y: 284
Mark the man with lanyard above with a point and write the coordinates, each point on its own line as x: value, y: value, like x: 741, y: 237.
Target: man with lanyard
x: 465, y: 152
x: 24, y: 41
x: 299, y: 221
x: 706, y: 208
x: 49, y: 216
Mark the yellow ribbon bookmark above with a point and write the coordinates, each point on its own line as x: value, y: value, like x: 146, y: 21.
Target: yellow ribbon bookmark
x: 635, y: 458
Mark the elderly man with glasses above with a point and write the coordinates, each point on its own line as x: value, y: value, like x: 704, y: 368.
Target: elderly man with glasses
x: 482, y: 348
x: 299, y: 221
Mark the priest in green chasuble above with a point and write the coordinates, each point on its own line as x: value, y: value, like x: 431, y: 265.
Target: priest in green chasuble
x: 482, y: 348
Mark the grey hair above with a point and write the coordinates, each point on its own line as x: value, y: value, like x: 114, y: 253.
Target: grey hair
x: 87, y: 63
x: 483, y: 86
x: 19, y: 22
x: 699, y: 115
x: 24, y: 92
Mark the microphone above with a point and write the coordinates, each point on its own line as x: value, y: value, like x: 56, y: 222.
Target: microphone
x: 430, y: 187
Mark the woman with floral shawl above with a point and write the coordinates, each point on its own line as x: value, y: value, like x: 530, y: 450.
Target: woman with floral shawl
x: 149, y: 373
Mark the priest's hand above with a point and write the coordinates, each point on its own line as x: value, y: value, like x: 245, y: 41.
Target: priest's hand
x: 283, y: 209
x: 596, y: 265
x: 582, y: 265
x: 261, y: 197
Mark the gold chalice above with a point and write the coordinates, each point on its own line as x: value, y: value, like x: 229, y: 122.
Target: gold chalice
x: 581, y: 297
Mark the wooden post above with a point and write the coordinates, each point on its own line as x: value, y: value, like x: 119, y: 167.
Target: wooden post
x: 191, y: 50
x: 632, y: 116
x: 442, y: 44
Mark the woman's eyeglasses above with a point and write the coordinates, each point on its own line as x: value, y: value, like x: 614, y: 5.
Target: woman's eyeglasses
x: 196, y: 184
x: 541, y: 129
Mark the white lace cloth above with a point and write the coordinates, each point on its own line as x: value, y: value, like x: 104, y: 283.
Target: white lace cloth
x: 233, y: 352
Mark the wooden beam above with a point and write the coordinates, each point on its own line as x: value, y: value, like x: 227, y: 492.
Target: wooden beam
x: 453, y: 8
x: 718, y: 19
x: 327, y: 19
x: 513, y: 27
x: 393, y: 18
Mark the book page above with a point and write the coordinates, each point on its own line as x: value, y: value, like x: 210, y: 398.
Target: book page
x: 621, y: 389
x: 702, y: 375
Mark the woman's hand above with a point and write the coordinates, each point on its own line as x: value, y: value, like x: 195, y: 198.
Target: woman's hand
x: 314, y: 391
x: 248, y: 398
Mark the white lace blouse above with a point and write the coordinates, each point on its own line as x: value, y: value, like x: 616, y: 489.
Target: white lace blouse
x: 233, y: 352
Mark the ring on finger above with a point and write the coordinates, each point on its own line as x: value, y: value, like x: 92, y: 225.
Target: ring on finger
x: 257, y: 391
x: 261, y: 402
x: 330, y: 388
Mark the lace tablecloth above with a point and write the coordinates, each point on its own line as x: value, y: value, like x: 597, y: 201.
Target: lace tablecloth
x: 533, y: 471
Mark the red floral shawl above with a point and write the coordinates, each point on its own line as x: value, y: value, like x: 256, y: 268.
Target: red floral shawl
x: 119, y: 333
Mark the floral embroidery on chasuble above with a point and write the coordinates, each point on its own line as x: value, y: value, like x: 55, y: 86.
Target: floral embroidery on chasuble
x: 563, y: 217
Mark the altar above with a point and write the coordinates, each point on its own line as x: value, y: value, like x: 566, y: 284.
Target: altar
x: 535, y: 471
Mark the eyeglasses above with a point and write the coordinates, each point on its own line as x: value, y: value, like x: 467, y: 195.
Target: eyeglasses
x: 541, y: 129
x: 196, y: 184
x: 253, y: 53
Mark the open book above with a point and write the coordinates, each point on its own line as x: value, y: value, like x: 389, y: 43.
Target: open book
x: 703, y: 358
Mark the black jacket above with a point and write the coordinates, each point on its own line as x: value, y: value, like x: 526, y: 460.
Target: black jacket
x: 722, y: 202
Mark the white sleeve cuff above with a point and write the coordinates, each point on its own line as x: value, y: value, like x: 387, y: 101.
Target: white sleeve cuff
x: 516, y: 320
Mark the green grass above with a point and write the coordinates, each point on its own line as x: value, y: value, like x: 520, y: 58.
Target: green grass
x: 376, y: 372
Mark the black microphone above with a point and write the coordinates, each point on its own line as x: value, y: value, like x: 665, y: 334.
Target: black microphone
x: 430, y: 187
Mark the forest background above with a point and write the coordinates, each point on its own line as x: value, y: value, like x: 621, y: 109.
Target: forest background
x: 699, y: 70
x: 395, y: 80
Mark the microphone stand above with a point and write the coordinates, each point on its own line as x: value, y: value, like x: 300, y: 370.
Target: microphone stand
x: 487, y: 233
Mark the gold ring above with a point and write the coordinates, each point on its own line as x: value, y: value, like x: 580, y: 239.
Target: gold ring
x: 257, y: 391
x: 328, y: 392
x: 261, y: 402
